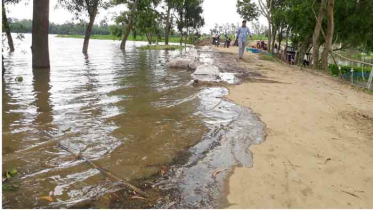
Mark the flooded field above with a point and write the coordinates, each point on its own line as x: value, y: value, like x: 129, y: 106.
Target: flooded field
x: 126, y: 112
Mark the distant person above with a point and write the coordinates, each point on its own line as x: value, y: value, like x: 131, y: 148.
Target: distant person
x: 242, y: 33
x: 227, y: 41
x: 305, y: 60
x: 275, y: 50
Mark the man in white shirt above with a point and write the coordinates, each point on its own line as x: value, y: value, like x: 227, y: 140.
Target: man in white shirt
x: 242, y: 33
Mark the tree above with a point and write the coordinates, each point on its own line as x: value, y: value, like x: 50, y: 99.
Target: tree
x: 189, y: 18
x: 247, y: 10
x: 91, y: 8
x: 266, y: 10
x: 127, y: 19
x: 329, y: 34
x: 6, y: 24
x: 316, y: 34
x: 171, y: 5
x: 148, y: 19
x: 40, y: 28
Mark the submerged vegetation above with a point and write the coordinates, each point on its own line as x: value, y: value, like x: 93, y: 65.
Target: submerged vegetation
x: 161, y: 47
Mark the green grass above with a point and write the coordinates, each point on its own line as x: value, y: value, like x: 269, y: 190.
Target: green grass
x: 268, y: 57
x: 259, y: 37
x: 161, y: 47
x: 111, y: 37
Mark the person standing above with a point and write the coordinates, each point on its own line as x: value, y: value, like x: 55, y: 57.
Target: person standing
x: 242, y: 33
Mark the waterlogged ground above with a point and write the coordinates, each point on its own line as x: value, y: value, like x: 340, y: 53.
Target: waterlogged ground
x: 127, y: 113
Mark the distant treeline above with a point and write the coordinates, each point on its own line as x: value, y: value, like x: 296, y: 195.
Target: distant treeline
x: 25, y: 26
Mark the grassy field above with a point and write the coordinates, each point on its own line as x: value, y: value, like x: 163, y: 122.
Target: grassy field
x: 110, y: 37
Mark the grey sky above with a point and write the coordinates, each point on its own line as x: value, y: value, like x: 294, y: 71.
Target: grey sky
x: 215, y: 11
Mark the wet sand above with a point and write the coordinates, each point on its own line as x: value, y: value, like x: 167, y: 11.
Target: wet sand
x: 319, y: 148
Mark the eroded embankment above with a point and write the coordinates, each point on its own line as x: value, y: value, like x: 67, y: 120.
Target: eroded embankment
x: 198, y: 182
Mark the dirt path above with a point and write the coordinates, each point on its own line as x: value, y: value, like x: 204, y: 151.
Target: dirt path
x: 319, y: 148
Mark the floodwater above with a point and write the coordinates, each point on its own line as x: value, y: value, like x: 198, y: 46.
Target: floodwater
x: 123, y: 110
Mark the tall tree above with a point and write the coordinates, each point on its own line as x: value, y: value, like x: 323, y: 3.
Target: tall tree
x: 329, y: 34
x: 171, y: 5
x: 91, y: 7
x: 148, y: 19
x: 127, y: 18
x: 40, y: 28
x: 316, y: 34
x: 189, y: 17
x: 266, y: 9
x: 6, y: 24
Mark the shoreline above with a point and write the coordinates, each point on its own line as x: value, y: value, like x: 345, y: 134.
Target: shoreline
x: 110, y: 37
x: 318, y: 146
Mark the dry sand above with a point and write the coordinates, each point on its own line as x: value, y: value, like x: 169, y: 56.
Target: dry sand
x: 319, y: 148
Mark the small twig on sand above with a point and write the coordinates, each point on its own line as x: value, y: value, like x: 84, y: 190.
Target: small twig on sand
x: 350, y: 193
x: 107, y: 173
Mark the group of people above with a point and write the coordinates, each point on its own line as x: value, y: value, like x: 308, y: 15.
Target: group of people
x: 216, y: 40
x: 241, y: 39
x: 261, y: 45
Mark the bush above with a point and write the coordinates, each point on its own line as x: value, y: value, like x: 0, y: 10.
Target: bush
x: 346, y: 71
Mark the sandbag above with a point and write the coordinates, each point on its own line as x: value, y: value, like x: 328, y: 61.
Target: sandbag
x: 194, y: 65
x: 179, y: 63
x: 207, y: 70
x: 192, y: 54
x: 207, y: 73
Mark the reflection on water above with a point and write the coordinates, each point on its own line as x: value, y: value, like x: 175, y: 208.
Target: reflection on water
x: 124, y: 110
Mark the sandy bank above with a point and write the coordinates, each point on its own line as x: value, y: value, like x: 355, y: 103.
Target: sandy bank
x: 319, y: 149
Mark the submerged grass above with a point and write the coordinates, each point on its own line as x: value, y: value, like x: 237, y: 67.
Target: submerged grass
x: 111, y: 37
x: 161, y: 47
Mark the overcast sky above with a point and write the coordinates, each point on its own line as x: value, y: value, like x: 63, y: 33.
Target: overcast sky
x: 215, y: 11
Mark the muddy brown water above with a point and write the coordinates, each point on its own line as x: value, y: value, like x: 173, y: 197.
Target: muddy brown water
x: 126, y: 112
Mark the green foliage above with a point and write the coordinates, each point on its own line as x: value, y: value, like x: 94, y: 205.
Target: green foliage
x: 247, y: 9
x: 346, y: 71
x: 173, y: 39
x: 9, y: 174
x: 190, y: 17
x: 25, y: 26
x: 354, y: 23
x: 7, y: 187
x: 83, y: 7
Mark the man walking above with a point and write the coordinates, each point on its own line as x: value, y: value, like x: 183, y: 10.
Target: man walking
x: 242, y: 33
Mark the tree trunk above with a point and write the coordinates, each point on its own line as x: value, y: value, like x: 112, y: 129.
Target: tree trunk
x: 149, y: 38
x: 40, y: 28
x: 2, y: 61
x: 269, y: 36
x: 88, y: 32
x: 329, y: 35
x: 168, y: 26
x: 316, y: 34
x: 128, y: 27
x: 126, y: 35
x: 285, y: 54
x: 7, y: 30
x: 274, y: 34
x: 304, y: 47
x: 280, y: 37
